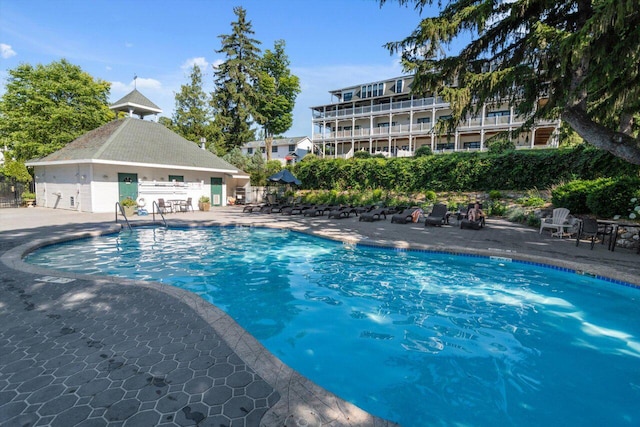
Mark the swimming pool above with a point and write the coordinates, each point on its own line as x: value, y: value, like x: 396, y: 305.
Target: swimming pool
x: 414, y: 337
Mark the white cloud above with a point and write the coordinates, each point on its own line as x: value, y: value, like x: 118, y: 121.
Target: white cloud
x: 128, y: 44
x: 6, y: 51
x: 199, y: 61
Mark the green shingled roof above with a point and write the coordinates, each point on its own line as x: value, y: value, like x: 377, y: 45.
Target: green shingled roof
x: 133, y: 140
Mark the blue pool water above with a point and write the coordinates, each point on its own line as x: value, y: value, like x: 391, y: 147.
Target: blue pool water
x: 418, y: 338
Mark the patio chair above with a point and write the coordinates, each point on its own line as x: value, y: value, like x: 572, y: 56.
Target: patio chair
x: 438, y: 216
x: 185, y: 205
x: 405, y: 216
x: 558, y: 221
x: 591, y: 228
x: 164, y: 207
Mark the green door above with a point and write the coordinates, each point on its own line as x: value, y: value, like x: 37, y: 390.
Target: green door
x: 216, y: 191
x: 127, y: 186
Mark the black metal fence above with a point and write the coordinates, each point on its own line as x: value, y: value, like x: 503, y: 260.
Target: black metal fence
x: 11, y: 192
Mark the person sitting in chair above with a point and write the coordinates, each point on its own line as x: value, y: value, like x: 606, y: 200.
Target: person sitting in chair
x: 475, y: 213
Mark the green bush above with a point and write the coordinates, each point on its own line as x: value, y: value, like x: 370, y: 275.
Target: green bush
x: 430, y: 196
x: 423, y: 151
x: 535, y: 202
x: 496, y: 209
x: 495, y: 195
x: 499, y: 146
x: 516, y: 214
x: 572, y: 195
x: 361, y: 154
x: 611, y: 197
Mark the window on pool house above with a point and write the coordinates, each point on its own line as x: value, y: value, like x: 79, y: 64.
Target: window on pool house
x: 176, y: 178
x: 249, y: 150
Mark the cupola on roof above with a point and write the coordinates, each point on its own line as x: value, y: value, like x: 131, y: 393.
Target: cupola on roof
x: 135, y: 103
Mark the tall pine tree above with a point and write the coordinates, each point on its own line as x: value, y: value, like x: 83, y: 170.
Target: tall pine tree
x: 234, y: 98
x: 193, y: 118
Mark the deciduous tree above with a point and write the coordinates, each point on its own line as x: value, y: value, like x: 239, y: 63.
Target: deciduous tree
x: 580, y: 56
x: 45, y: 107
x: 277, y: 90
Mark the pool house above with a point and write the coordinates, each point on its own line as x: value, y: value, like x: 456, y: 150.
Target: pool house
x: 133, y: 158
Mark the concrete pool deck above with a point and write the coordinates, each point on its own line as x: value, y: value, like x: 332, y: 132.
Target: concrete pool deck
x: 79, y: 350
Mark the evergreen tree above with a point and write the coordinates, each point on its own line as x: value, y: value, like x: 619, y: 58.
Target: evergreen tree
x: 574, y: 59
x: 45, y: 107
x: 234, y: 98
x: 193, y: 118
x: 277, y: 90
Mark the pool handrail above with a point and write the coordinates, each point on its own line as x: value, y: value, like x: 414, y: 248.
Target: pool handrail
x: 121, y: 209
x: 155, y: 205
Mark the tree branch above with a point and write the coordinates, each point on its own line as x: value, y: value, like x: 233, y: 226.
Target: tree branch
x: 617, y: 143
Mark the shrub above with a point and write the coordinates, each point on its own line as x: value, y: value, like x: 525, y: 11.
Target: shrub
x: 423, y: 151
x: 536, y: 202
x: 28, y: 195
x: 532, y: 220
x: 501, y: 146
x: 612, y: 196
x: 495, y: 195
x: 430, y: 196
x: 496, y: 209
x: 204, y: 199
x: 516, y: 214
x: 361, y: 154
x: 572, y: 195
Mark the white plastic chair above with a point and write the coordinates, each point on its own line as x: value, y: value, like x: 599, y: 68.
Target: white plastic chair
x: 558, y: 221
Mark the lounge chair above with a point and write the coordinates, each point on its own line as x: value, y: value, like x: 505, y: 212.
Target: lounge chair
x: 342, y: 212
x: 405, y: 216
x: 314, y: 210
x: 558, y: 221
x: 374, y: 215
x: 591, y: 228
x: 438, y: 215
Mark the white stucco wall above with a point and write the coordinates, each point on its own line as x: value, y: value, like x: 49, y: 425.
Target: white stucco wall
x: 94, y: 187
x: 63, y: 187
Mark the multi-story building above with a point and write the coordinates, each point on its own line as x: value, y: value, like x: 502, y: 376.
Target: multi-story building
x: 384, y: 117
x: 286, y: 150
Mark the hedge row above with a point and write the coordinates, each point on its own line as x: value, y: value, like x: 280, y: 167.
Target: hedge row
x: 603, y: 197
x: 472, y: 171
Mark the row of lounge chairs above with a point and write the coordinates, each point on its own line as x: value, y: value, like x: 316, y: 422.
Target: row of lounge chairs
x: 437, y: 217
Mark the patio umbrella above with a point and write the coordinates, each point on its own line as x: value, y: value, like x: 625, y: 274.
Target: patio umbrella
x: 284, y: 177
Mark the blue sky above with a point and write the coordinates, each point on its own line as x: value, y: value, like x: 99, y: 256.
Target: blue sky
x: 331, y: 43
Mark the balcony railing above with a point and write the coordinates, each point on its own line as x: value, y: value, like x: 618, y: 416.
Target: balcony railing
x: 416, y: 129
x: 379, y: 108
